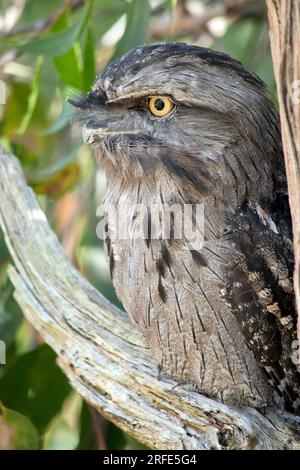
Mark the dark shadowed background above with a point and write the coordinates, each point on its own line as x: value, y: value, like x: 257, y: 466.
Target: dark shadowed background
x: 49, y: 50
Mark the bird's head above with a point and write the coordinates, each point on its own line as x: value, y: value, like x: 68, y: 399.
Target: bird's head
x: 191, y: 113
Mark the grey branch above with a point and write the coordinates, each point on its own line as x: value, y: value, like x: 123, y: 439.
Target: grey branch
x: 104, y: 356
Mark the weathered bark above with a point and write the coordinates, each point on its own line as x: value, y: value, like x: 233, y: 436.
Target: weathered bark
x: 102, y: 353
x: 284, y: 21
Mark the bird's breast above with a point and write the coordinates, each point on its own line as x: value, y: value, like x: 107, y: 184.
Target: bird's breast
x: 173, y: 292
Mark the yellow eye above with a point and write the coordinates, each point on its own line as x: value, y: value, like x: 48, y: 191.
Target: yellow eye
x: 160, y: 106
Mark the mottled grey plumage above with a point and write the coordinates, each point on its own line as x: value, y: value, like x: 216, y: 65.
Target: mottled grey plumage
x: 212, y: 317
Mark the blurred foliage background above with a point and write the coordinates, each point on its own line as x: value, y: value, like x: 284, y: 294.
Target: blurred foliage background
x: 47, y: 51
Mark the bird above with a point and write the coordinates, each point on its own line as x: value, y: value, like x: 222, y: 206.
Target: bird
x: 178, y: 127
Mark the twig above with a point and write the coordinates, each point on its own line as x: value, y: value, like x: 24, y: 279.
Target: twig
x: 97, y: 426
x: 182, y: 23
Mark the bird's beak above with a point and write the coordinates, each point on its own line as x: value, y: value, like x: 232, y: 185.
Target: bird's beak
x: 92, y: 135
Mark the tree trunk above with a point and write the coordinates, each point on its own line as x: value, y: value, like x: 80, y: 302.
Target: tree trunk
x: 284, y: 21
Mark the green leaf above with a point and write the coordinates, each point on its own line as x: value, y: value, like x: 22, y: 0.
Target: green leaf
x: 115, y: 438
x: 62, y: 120
x: 60, y: 436
x: 59, y: 43
x: 69, y: 67
x: 240, y: 38
x: 15, y: 109
x: 10, y: 313
x: 33, y: 97
x: 35, y: 10
x: 59, y: 165
x: 63, y: 431
x: 69, y: 64
x: 35, y: 386
x: 16, y: 431
x: 4, y: 253
x: 136, y: 31
x: 88, y: 59
x: 170, y: 4
x: 87, y: 436
x: 60, y: 182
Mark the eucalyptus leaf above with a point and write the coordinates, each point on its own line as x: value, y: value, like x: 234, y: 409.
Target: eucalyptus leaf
x: 35, y: 386
x: 69, y: 67
x: 137, y: 25
x: 88, y: 59
x: 69, y: 64
x: 10, y: 314
x: 17, y: 432
x: 59, y: 165
x: 33, y: 97
x: 62, y: 120
x: 60, y: 182
x: 34, y: 10
x: 58, y: 43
